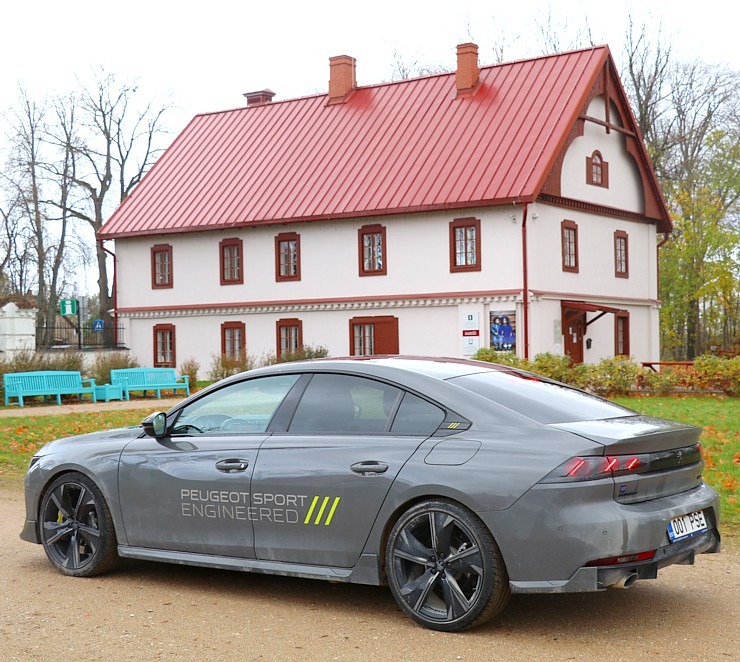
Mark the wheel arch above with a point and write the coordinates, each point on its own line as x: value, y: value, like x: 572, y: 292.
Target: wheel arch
x: 397, y: 512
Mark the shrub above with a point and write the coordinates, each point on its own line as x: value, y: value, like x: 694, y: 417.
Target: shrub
x: 502, y: 358
x: 29, y: 361
x: 715, y: 373
x: 613, y: 376
x: 224, y: 366
x: 190, y: 368
x: 303, y: 353
x: 107, y: 361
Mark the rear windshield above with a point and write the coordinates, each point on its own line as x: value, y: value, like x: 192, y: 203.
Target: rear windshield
x: 543, y: 401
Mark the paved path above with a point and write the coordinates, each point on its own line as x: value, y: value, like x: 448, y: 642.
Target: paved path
x: 152, y: 404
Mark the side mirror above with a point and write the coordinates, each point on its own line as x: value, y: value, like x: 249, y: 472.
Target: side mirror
x: 155, y: 425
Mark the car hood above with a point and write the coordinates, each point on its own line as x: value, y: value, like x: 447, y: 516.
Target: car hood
x: 116, y: 436
x: 635, y: 434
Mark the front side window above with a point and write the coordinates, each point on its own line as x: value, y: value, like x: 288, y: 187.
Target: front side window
x: 288, y: 256
x: 233, y: 343
x: 164, y: 346
x: 621, y: 255
x: 289, y: 336
x: 372, y: 250
x: 569, y: 238
x: 161, y: 266
x: 246, y: 406
x: 465, y: 245
x: 232, y: 271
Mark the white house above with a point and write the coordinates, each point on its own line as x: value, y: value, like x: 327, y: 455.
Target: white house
x: 511, y: 206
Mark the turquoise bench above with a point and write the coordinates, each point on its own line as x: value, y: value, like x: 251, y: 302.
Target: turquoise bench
x: 149, y: 379
x: 46, y: 383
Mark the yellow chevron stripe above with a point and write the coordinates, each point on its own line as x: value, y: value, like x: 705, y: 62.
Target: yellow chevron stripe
x: 310, y: 510
x: 331, y: 512
x: 321, y: 510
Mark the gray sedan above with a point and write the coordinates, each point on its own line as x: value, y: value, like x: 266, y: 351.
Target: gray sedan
x: 453, y: 482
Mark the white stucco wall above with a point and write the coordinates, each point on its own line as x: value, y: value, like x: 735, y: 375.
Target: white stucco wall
x: 625, y: 186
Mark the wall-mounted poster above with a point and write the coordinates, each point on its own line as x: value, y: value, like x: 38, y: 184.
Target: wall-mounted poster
x: 503, y: 330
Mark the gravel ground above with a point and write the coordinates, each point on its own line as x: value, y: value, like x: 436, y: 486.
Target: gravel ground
x: 152, y: 611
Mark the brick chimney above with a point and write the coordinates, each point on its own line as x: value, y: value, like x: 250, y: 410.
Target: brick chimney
x: 259, y: 97
x: 466, y: 76
x: 341, y: 78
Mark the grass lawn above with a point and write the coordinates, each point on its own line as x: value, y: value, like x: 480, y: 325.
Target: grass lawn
x: 720, y: 418
x: 21, y: 436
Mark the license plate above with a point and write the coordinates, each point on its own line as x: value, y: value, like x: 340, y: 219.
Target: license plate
x: 686, y: 525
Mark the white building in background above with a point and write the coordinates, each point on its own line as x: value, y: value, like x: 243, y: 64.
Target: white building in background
x: 511, y: 206
x: 17, y: 326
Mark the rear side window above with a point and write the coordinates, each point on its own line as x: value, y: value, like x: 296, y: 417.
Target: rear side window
x: 344, y: 404
x: 354, y: 405
x: 417, y: 417
x: 543, y: 401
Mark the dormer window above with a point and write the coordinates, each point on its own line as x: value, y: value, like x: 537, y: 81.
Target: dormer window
x: 597, y: 170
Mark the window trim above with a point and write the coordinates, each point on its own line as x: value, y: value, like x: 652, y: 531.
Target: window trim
x: 571, y: 226
x: 361, y: 233
x: 280, y: 238
x: 458, y: 223
x: 604, y: 167
x: 625, y: 316
x: 230, y: 243
x: 241, y: 326
x: 162, y: 328
x: 286, y: 324
x: 385, y: 334
x: 621, y: 235
x: 167, y: 250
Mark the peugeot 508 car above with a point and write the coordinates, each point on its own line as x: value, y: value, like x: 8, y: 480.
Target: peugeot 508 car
x: 454, y: 482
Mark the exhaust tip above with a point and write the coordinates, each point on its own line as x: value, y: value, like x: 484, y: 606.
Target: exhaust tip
x: 626, y: 581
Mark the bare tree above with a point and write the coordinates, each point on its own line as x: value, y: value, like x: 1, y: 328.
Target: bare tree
x: 110, y: 156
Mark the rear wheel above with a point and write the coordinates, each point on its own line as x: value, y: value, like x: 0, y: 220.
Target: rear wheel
x: 444, y: 568
x: 76, y: 527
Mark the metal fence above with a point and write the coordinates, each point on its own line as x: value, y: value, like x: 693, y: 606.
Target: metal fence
x: 66, y: 336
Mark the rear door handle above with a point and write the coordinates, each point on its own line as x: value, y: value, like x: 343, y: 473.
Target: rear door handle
x: 369, y: 468
x: 232, y: 465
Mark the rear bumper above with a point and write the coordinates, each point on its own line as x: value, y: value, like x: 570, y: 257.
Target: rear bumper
x: 623, y: 576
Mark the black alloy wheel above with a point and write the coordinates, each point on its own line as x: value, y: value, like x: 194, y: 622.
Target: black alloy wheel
x: 444, y: 567
x: 76, y: 527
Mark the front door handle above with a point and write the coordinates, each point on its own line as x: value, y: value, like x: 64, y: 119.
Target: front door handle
x: 232, y: 465
x: 369, y: 468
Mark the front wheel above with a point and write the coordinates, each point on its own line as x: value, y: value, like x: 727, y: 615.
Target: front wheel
x: 77, y: 528
x: 444, y: 568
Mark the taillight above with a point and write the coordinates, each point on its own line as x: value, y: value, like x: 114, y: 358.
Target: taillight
x: 591, y: 467
x: 621, y: 560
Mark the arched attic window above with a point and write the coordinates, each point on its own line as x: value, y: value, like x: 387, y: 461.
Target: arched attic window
x: 597, y: 170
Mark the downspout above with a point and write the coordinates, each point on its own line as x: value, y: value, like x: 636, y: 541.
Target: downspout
x: 657, y: 258
x: 114, y: 297
x: 525, y: 282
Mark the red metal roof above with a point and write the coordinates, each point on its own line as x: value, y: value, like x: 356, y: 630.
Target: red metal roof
x: 391, y: 148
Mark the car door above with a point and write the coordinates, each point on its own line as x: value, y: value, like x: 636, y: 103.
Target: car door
x: 317, y: 488
x: 190, y: 491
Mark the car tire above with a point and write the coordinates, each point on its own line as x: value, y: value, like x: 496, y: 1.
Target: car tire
x: 76, y: 527
x: 444, y: 568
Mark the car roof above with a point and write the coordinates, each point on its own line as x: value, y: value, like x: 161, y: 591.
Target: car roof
x: 383, y: 365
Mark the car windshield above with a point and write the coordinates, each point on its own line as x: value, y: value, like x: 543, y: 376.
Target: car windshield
x: 543, y: 401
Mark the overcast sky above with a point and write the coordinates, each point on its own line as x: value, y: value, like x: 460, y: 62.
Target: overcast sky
x: 203, y: 56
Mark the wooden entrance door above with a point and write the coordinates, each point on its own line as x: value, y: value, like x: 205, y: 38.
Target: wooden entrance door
x: 574, y: 326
